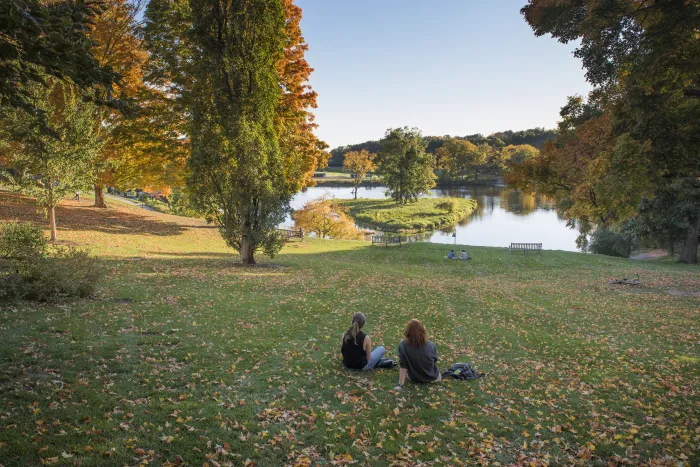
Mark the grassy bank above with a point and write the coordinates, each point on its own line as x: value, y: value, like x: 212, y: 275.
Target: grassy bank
x: 424, y: 214
x: 185, y: 358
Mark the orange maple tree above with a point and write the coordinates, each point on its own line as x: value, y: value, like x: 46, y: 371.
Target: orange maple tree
x: 137, y: 151
x: 295, y: 120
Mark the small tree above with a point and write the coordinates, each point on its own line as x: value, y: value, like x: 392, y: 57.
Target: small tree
x: 326, y: 218
x: 359, y: 163
x: 404, y: 165
x: 55, y: 165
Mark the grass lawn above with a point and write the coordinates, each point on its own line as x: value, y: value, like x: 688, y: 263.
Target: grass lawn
x: 424, y: 214
x: 187, y: 359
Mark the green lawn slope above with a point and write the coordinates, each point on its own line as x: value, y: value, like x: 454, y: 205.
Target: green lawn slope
x: 187, y: 359
x: 424, y: 214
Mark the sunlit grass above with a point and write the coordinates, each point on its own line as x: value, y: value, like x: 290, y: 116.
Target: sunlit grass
x: 185, y: 357
x: 421, y: 215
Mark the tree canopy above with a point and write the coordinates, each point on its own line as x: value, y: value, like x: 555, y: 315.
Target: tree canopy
x: 631, y: 147
x: 460, y: 157
x: 51, y: 167
x: 494, y: 162
x: 40, y: 39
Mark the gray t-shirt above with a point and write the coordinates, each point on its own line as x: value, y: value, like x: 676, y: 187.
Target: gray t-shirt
x: 419, y: 361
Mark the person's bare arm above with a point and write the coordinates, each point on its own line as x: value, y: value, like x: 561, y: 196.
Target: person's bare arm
x: 367, y: 346
x: 403, y: 372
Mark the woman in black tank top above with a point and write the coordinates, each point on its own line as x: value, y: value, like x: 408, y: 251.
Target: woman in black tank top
x: 357, y: 347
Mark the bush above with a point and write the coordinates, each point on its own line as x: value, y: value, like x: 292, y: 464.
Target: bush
x: 21, y: 241
x: 448, y: 205
x: 11, y: 284
x: 29, y: 270
x: 607, y: 242
x: 181, y: 204
x: 68, y: 272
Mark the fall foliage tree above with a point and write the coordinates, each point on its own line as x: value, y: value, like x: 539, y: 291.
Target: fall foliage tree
x: 404, y: 165
x: 359, y: 164
x: 143, y: 150
x: 582, y: 171
x: 460, y: 157
x: 643, y: 59
x: 303, y: 151
x: 175, y: 67
x: 517, y: 154
x: 170, y: 68
x: 326, y: 218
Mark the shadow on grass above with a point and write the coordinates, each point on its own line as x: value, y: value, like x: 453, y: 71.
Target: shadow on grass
x: 73, y: 216
x: 193, y: 255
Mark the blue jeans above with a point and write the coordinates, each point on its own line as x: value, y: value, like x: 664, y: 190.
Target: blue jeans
x: 377, y: 354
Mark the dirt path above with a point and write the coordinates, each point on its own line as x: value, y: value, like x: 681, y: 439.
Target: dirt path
x: 650, y: 254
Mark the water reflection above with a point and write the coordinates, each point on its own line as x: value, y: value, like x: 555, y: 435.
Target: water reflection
x: 490, y: 198
x: 502, y: 216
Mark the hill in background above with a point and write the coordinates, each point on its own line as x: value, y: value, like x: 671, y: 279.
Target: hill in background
x: 535, y: 137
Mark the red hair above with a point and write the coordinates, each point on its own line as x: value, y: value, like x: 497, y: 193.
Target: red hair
x: 415, y: 333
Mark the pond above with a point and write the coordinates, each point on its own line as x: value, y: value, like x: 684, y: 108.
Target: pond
x: 502, y: 216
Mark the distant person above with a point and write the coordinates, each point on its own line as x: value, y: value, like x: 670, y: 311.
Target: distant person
x: 417, y: 356
x: 357, y: 347
x: 463, y: 255
x: 77, y: 196
x: 451, y: 255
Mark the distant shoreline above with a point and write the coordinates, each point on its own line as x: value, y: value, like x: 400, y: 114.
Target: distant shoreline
x: 348, y: 182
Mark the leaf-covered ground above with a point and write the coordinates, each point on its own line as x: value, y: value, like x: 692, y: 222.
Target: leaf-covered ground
x: 187, y: 359
x: 424, y: 214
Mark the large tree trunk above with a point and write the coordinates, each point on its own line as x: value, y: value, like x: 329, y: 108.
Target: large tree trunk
x: 100, y: 196
x: 52, y: 222
x: 247, y: 246
x: 689, y: 254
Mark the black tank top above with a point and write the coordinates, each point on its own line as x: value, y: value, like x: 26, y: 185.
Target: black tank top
x: 354, y: 356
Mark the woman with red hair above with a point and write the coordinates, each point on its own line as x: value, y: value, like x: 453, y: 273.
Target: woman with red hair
x: 417, y: 356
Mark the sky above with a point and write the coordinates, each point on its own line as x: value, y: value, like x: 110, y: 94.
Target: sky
x: 447, y: 67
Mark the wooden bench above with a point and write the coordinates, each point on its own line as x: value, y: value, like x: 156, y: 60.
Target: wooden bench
x: 386, y: 240
x: 288, y: 234
x: 525, y: 247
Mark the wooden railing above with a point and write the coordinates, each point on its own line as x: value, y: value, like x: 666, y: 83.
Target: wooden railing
x: 386, y: 240
x: 525, y: 247
x: 289, y: 234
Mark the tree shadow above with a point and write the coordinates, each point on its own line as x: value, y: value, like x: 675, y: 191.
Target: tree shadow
x: 192, y: 254
x: 72, y: 215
